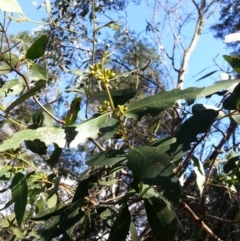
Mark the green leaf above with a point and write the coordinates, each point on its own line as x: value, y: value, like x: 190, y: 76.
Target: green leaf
x: 19, y: 196
x: 24, y: 97
x: 219, y: 85
x: 109, y: 157
x: 52, y: 201
x: 163, y: 144
x: 230, y: 103
x: 207, y: 75
x: 6, y: 60
x: 12, y: 87
x: 163, y: 100
x: 73, y: 112
x: 4, y: 170
x: 120, y: 97
x: 11, y: 6
x: 155, y: 168
x: 121, y: 225
x: 58, y: 135
x: 231, y: 164
x: 19, y: 234
x: 37, y: 49
x: 109, y: 128
x: 39, y: 71
x: 200, y: 173
x: 133, y: 232
x: 196, y: 124
x: 160, y: 215
x: 234, y: 62
x: 36, y: 146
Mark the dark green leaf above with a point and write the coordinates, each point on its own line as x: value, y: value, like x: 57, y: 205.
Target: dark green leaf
x: 120, y: 97
x: 230, y: 103
x: 39, y: 71
x: 36, y: 146
x: 109, y: 157
x: 234, y: 62
x: 207, y: 75
x: 160, y: 215
x: 109, y: 128
x: 19, y: 196
x: 155, y: 168
x: 37, y: 49
x: 133, y: 232
x: 231, y: 164
x: 196, y: 124
x: 121, y: 225
x: 163, y: 144
x: 73, y: 112
x: 163, y: 100
x: 25, y: 96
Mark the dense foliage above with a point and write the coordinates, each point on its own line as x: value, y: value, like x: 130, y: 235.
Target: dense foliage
x: 155, y: 170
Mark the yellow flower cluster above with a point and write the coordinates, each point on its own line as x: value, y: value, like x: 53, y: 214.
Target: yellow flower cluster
x: 105, y: 107
x: 100, y: 74
x: 122, y: 109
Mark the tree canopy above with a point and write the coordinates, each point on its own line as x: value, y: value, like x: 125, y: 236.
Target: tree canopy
x: 100, y: 140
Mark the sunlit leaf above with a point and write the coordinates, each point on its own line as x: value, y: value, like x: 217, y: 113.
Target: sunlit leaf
x: 72, y: 136
x: 39, y: 71
x: 155, y: 168
x: 109, y: 128
x: 19, y: 196
x: 233, y: 61
x: 12, y: 87
x: 11, y: 6
x: 200, y: 174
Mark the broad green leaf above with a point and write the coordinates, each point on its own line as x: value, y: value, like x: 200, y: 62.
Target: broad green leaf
x: 200, y: 173
x: 39, y: 71
x: 121, y: 225
x: 52, y: 201
x: 162, y: 100
x: 120, y: 97
x: 234, y: 62
x: 4, y: 170
x: 200, y: 107
x: 219, y: 85
x: 109, y: 157
x: 196, y: 124
x: 11, y: 6
x: 24, y: 97
x: 72, y: 136
x: 207, y: 75
x: 19, y: 196
x: 6, y: 60
x: 109, y: 128
x: 12, y: 87
x: 37, y: 49
x: 155, y: 168
x: 73, y: 112
x: 160, y: 215
x: 147, y: 191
